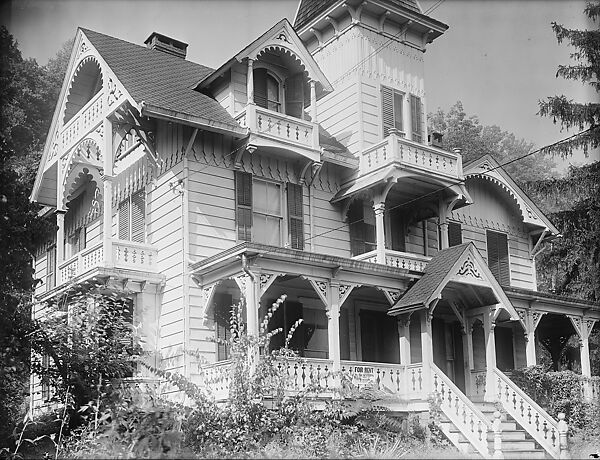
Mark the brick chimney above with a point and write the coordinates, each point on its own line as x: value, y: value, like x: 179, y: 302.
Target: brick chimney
x: 436, y: 139
x: 166, y: 44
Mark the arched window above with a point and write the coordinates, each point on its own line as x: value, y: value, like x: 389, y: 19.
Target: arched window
x: 266, y: 90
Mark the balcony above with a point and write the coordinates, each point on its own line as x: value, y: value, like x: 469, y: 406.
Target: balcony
x: 273, y: 129
x: 83, y: 122
x: 397, y: 259
x: 126, y: 255
x: 412, y: 156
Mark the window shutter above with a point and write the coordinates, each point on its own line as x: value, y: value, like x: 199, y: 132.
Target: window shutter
x: 124, y: 220
x: 260, y: 87
x: 503, y: 265
x: 295, y: 215
x: 294, y: 95
x: 138, y: 216
x: 243, y: 185
x: 416, y: 115
x: 497, y: 245
x: 51, y: 268
x: 398, y: 230
x: 454, y: 234
x: 357, y: 229
x: 387, y: 105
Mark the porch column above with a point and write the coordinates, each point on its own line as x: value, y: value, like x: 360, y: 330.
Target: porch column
x: 107, y: 178
x: 443, y: 222
x: 379, y: 209
x: 250, y: 290
x: 490, y: 356
x: 586, y: 370
x: 530, y: 357
x: 426, y: 350
x: 404, y: 337
x: 333, y: 327
x: 313, y: 101
x: 250, y: 81
x: 467, y: 343
x: 146, y: 316
x: 60, y: 240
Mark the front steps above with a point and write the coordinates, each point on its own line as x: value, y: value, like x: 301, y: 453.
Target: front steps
x: 516, y: 443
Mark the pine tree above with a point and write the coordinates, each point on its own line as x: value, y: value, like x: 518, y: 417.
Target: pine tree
x: 584, y: 116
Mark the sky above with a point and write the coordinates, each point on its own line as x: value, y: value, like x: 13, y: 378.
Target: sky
x: 499, y: 57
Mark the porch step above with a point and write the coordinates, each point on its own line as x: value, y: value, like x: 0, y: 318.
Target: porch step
x: 509, y: 435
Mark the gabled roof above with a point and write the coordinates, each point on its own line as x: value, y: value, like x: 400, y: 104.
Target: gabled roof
x: 489, y: 169
x: 160, y: 80
x: 308, y: 9
x: 281, y: 36
x: 461, y: 264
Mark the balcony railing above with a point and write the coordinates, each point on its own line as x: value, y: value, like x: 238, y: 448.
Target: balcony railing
x: 126, y: 255
x: 397, y: 259
x: 280, y: 127
x: 411, y: 155
x: 86, y: 119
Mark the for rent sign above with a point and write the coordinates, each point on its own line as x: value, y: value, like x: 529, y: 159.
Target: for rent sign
x: 363, y: 375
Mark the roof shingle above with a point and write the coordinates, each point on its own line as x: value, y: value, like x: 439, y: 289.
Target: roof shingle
x: 159, y: 79
x: 434, y: 274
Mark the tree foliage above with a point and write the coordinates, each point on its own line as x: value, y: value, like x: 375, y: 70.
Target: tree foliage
x: 466, y: 132
x: 585, y: 116
x: 572, y: 264
x: 28, y: 94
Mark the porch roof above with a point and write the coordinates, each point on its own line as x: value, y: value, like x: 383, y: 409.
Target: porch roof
x: 457, y: 265
x: 293, y: 261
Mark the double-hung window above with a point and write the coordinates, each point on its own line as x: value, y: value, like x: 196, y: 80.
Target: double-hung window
x: 261, y: 210
x: 267, y: 212
x: 266, y: 90
x: 391, y: 104
x: 497, y: 249
x: 132, y: 217
x: 454, y: 234
x: 416, y: 115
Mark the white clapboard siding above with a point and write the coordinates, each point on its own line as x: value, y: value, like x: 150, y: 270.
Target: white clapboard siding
x: 495, y: 210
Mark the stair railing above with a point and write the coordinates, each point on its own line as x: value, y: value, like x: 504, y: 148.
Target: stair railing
x: 535, y: 420
x: 462, y: 412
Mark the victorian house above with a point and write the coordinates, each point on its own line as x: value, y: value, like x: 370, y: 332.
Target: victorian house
x: 303, y: 166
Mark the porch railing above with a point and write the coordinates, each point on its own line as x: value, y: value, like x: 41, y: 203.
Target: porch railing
x: 126, y: 255
x: 412, y: 155
x: 386, y: 377
x: 461, y: 411
x: 397, y: 259
x: 280, y: 126
x: 535, y: 420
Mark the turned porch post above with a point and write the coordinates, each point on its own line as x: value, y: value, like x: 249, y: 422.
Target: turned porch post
x: 443, y: 218
x: 107, y: 178
x: 333, y: 327
x: 490, y: 356
x: 250, y: 81
x: 379, y: 209
x: 313, y: 101
x: 426, y: 350
x: 467, y: 343
x: 60, y: 241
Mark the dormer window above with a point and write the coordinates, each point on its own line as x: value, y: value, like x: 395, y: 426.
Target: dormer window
x: 267, y: 90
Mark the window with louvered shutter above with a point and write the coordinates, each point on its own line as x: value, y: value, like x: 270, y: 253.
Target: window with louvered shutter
x: 454, y: 234
x: 124, y: 228
x: 51, y: 268
x: 243, y: 215
x: 132, y: 217
x: 416, y: 113
x: 294, y: 95
x: 497, y: 247
x: 398, y: 229
x: 391, y: 104
x: 138, y: 214
x: 295, y: 216
x: 355, y: 222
